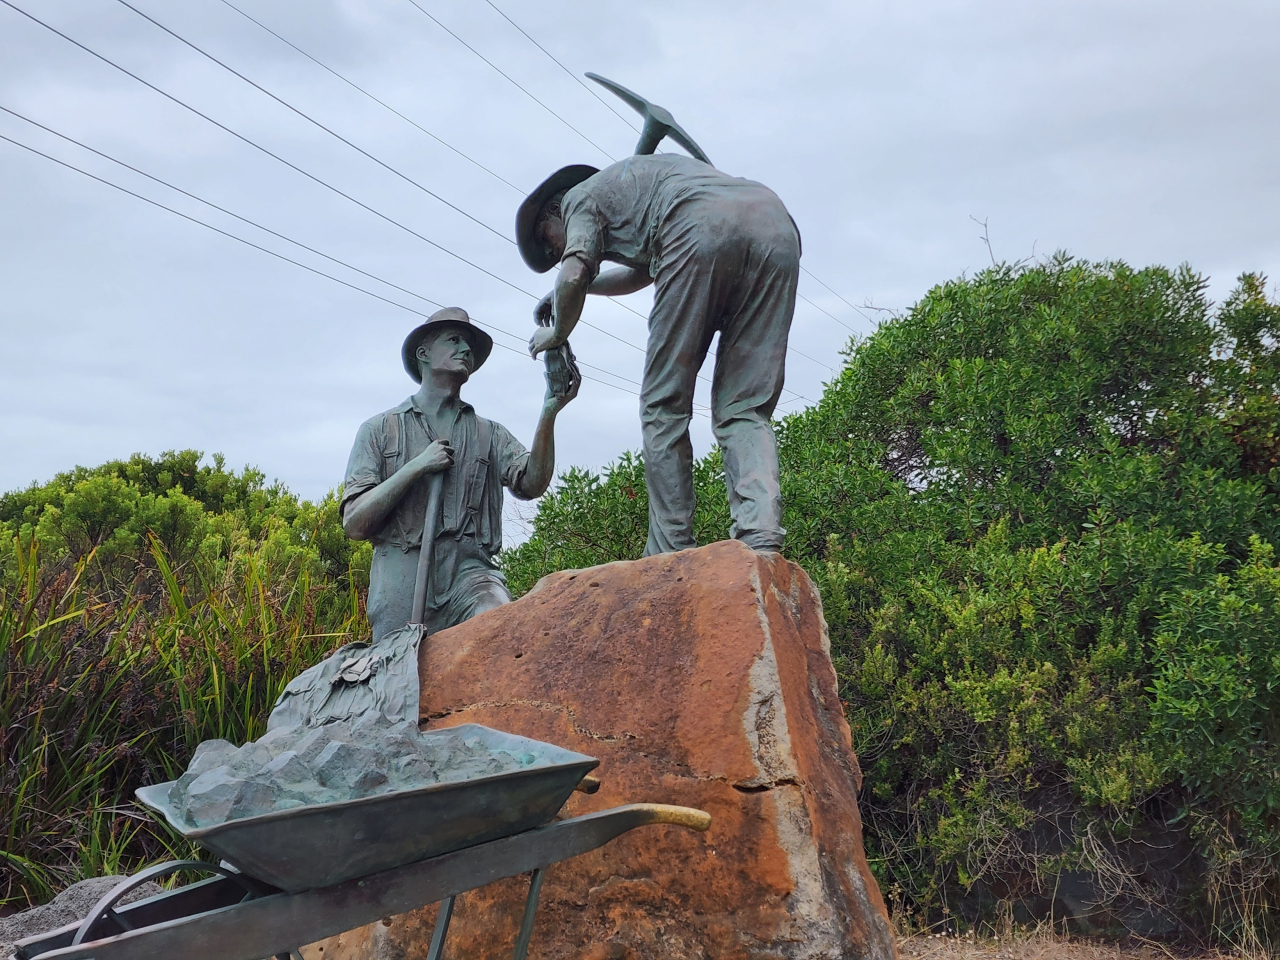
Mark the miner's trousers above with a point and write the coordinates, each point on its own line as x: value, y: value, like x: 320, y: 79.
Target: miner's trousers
x: 730, y: 267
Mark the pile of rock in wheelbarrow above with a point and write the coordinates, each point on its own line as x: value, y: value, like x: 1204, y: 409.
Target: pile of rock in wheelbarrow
x: 346, y: 760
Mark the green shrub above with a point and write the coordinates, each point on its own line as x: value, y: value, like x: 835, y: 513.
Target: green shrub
x: 136, y: 620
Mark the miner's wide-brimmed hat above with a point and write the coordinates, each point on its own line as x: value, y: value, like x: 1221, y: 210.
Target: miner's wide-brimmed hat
x: 481, y: 342
x: 534, y: 253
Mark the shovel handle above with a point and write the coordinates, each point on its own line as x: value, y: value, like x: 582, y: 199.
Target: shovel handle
x: 427, y: 555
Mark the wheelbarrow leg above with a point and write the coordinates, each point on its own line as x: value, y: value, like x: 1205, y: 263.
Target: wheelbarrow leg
x: 443, y: 917
x: 530, y: 908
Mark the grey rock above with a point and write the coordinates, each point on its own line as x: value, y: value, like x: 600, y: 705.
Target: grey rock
x: 221, y: 795
x: 350, y: 766
x: 314, y: 741
x: 72, y: 904
x: 287, y: 769
x: 251, y: 758
x: 209, y: 754
x: 279, y: 740
x: 413, y: 771
x: 208, y: 798
x: 252, y: 799
x: 295, y: 765
x: 370, y: 726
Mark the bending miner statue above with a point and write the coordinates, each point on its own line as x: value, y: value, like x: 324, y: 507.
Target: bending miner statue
x: 724, y: 255
x: 386, y: 492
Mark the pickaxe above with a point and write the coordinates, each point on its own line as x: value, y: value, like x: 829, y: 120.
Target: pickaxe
x: 658, y: 122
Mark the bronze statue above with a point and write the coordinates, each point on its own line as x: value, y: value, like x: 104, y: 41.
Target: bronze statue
x: 424, y: 483
x: 434, y: 432
x: 724, y: 256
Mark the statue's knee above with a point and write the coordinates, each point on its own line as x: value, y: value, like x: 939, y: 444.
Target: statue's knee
x: 491, y: 597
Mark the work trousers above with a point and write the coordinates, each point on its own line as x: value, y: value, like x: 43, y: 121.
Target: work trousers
x: 732, y: 267
x: 474, y: 588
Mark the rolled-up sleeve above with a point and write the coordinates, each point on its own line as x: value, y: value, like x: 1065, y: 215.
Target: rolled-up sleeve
x: 511, y: 458
x: 584, y: 229
x: 364, y: 466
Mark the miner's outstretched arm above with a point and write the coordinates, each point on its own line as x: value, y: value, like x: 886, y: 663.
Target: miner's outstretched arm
x: 570, y: 296
x: 542, y: 456
x: 365, y: 515
x: 619, y: 281
x: 560, y: 310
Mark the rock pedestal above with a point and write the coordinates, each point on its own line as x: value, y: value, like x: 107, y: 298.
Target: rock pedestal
x: 700, y: 678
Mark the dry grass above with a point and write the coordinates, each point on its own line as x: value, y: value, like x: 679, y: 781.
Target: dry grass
x: 1045, y: 946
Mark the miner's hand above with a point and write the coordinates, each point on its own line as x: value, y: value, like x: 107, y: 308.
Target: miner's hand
x: 542, y: 312
x: 438, y: 456
x: 544, y: 338
x: 553, y: 402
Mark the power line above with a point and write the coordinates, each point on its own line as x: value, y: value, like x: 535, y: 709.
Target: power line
x: 298, y: 169
x: 310, y: 119
x: 842, y: 299
x: 262, y: 149
x: 827, y: 312
x: 365, y: 153
x: 811, y: 360
x: 296, y: 263
x: 548, y: 53
x: 424, y: 12
x: 311, y: 176
x: 276, y: 233
x: 382, y: 103
x: 585, y: 86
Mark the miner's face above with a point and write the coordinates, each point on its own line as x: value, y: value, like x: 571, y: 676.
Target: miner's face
x: 551, y: 234
x: 449, y: 352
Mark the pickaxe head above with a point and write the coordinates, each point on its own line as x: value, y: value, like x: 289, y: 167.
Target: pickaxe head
x: 658, y: 122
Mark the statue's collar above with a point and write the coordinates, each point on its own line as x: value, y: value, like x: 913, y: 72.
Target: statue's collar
x: 411, y: 403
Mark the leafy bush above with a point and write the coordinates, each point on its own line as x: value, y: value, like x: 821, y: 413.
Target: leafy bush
x: 1040, y: 507
x: 137, y: 619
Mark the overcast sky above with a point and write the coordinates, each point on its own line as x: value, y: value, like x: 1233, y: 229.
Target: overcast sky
x: 1147, y: 131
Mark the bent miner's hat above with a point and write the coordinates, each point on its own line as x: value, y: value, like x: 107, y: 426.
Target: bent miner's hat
x: 531, y: 249
x: 481, y: 342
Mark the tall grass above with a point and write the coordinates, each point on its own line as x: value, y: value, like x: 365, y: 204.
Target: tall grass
x: 104, y: 691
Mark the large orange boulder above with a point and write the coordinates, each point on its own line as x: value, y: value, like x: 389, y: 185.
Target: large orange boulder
x: 700, y: 678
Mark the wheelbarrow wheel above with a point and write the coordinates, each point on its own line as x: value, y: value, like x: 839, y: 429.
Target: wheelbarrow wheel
x: 105, y: 909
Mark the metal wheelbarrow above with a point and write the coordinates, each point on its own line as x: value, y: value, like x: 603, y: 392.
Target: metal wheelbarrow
x: 238, y: 915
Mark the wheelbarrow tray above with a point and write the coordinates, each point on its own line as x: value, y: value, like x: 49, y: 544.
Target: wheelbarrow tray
x: 322, y: 844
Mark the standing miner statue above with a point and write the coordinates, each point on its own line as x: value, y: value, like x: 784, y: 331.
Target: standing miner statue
x: 724, y: 255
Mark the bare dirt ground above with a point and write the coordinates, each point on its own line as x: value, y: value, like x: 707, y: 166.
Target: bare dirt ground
x: 1043, y: 947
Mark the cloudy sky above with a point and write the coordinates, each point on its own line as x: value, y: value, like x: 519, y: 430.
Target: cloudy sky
x: 1147, y: 131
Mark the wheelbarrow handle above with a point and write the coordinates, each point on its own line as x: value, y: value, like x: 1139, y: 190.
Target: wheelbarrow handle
x: 689, y: 817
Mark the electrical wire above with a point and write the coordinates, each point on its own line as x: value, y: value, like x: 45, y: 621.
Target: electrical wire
x: 833, y: 293
x: 324, y: 183
x: 296, y: 263
x: 465, y: 156
x: 382, y: 103
x: 312, y: 120
x: 277, y: 234
x: 298, y: 169
x: 822, y: 310
x: 365, y: 153
x: 262, y: 149
x: 424, y: 12
x: 585, y: 86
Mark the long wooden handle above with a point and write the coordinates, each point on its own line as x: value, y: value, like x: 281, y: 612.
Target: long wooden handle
x: 427, y: 555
